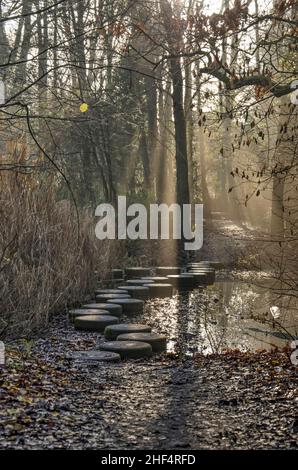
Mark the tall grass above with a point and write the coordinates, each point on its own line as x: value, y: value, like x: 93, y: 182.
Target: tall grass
x: 43, y: 266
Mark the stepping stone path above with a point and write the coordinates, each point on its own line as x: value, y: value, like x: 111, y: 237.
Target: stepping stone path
x: 201, y: 268
x: 134, y: 341
x: 111, y: 309
x: 129, y: 306
x: 200, y: 278
x: 128, y: 349
x: 157, y: 342
x: 137, y: 292
x: 208, y: 272
x: 137, y: 272
x: 136, y: 282
x: 167, y: 270
x: 200, y: 263
x: 181, y: 281
x: 106, y: 297
x: 216, y: 264
x: 94, y: 322
x: 79, y: 312
x: 158, y: 279
x: 111, y: 332
x: 160, y: 290
x: 94, y: 357
x: 109, y: 291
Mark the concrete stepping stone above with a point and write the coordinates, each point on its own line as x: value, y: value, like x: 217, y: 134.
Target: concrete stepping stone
x: 128, y: 349
x: 202, y: 268
x: 137, y: 272
x: 209, y: 274
x: 111, y: 332
x: 136, y: 282
x: 157, y: 342
x: 108, y: 291
x: 117, y: 273
x: 129, y: 306
x: 216, y: 264
x: 160, y: 290
x: 94, y: 357
x: 94, y: 322
x: 167, y: 270
x: 118, y: 281
x: 200, y: 278
x: 90, y: 312
x: 194, y: 266
x: 182, y: 281
x: 158, y: 279
x: 105, y: 297
x: 113, y: 309
x: 136, y: 292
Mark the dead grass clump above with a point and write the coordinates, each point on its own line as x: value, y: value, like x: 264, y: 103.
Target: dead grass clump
x: 43, y: 265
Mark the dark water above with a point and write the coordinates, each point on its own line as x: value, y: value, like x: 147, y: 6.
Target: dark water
x: 226, y: 315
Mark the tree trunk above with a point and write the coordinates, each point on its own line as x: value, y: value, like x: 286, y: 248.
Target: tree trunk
x: 189, y: 123
x: 202, y: 156
x: 152, y: 139
x: 165, y: 172
x: 182, y: 186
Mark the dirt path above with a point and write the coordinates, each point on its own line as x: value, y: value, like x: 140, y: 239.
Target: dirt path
x: 226, y: 240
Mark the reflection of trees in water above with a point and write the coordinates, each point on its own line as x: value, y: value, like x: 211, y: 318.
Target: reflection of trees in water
x: 226, y: 315
x: 235, y: 312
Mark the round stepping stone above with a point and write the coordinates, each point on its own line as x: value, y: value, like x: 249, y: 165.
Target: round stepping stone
x: 157, y: 342
x: 118, y: 281
x: 129, y: 306
x: 210, y: 275
x: 108, y: 291
x: 136, y: 282
x: 94, y: 322
x: 181, y: 281
x: 128, y: 349
x: 117, y: 273
x: 111, y: 332
x: 202, y: 271
x: 216, y: 264
x: 137, y: 292
x: 160, y: 290
x: 158, y: 279
x: 202, y: 268
x: 105, y: 297
x: 94, y: 357
x: 90, y: 312
x: 167, y: 270
x: 115, y: 310
x: 137, y: 272
x: 199, y: 278
x: 194, y: 266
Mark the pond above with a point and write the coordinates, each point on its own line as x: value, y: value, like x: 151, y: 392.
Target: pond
x: 226, y: 315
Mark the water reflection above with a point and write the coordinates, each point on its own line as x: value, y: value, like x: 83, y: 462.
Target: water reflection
x: 226, y: 315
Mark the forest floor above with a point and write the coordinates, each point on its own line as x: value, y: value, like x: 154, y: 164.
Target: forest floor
x: 232, y: 400
x: 228, y: 401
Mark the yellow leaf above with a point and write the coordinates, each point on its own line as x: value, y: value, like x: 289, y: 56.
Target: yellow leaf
x: 84, y: 107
